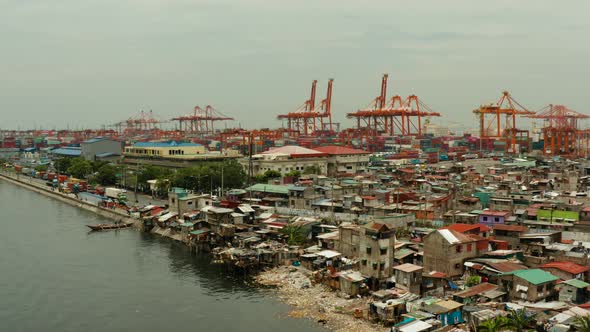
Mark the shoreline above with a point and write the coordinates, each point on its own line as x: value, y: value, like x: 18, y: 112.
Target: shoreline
x: 114, y: 215
x: 295, y: 287
x: 292, y: 287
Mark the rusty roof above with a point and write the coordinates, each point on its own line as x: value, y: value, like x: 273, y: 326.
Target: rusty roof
x: 569, y: 267
x: 507, y: 266
x: 475, y: 290
x: 511, y: 228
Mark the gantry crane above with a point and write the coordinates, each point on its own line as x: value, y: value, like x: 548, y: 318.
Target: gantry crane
x: 490, y: 121
x: 397, y: 117
x: 561, y: 132
x: 201, y: 121
x: 309, y: 119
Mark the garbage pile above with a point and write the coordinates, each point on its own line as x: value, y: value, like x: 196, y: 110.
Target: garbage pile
x: 315, y: 301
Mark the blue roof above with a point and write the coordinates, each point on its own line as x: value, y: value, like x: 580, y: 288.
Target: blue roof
x: 68, y: 151
x: 106, y: 154
x: 163, y: 144
x: 30, y: 149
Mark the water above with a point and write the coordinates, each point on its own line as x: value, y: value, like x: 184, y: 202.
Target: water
x: 56, y: 276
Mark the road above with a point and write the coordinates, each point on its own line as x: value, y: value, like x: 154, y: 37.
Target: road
x: 142, y: 199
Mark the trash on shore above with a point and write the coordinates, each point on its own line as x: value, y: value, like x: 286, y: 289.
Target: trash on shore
x: 315, y: 301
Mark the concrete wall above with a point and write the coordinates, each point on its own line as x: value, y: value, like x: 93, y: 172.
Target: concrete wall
x: 377, y: 264
x: 440, y: 256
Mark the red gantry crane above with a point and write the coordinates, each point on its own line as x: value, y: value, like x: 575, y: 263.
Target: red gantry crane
x: 201, y: 121
x: 309, y: 119
x: 397, y: 117
x: 561, y: 132
x: 490, y: 122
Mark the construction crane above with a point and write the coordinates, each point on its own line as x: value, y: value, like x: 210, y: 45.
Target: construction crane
x: 309, y: 120
x: 490, y: 121
x: 201, y: 121
x: 561, y: 132
x: 397, y: 117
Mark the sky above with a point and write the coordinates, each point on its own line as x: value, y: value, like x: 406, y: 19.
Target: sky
x: 83, y: 64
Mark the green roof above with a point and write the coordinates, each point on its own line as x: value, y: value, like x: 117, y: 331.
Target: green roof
x: 534, y: 276
x: 269, y: 188
x: 577, y: 283
x: 199, y: 232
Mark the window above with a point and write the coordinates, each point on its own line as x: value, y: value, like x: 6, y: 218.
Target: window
x: 173, y: 201
x: 374, y: 266
x: 485, y: 218
x: 369, y: 250
x: 189, y: 203
x: 457, y: 266
x: 540, y: 289
x: 382, y: 266
x: 383, y: 251
x: 364, y: 261
x: 469, y: 247
x: 497, y: 219
x: 459, y: 248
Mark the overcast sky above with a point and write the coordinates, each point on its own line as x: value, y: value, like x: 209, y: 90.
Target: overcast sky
x: 84, y: 63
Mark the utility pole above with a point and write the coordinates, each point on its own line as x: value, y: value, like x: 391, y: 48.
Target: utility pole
x: 221, y: 193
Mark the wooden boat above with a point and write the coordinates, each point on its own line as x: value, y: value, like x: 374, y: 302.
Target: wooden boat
x: 105, y: 227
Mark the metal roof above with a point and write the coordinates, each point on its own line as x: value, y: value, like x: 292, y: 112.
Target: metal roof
x: 269, y: 188
x: 339, y: 150
x: 577, y: 283
x: 68, y: 151
x: 534, y: 276
x: 170, y: 144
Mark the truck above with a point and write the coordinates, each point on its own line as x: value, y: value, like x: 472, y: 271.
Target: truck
x: 114, y: 193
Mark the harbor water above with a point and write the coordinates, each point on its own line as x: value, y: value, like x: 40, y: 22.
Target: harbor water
x: 55, y: 275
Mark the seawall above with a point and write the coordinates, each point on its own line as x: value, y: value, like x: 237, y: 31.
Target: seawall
x: 111, y: 214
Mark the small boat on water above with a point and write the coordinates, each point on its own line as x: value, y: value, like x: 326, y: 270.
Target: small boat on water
x: 105, y: 227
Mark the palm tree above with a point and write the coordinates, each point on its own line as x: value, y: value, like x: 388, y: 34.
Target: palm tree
x: 518, y: 320
x: 583, y: 323
x: 495, y: 324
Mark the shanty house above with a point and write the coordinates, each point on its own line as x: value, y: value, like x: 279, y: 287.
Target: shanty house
x: 446, y: 250
x: 530, y: 285
x: 510, y: 234
x: 574, y: 291
x: 567, y: 270
x: 491, y: 218
x: 377, y: 243
x: 447, y: 312
x: 409, y: 277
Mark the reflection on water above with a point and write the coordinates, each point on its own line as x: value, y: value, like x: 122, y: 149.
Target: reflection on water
x: 56, y: 276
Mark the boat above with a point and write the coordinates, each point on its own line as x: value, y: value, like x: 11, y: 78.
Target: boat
x: 105, y: 227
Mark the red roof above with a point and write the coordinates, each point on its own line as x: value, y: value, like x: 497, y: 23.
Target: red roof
x: 495, y: 213
x: 339, y: 150
x: 369, y: 197
x: 436, y: 274
x: 569, y: 267
x: 475, y: 290
x: 462, y: 228
x: 511, y: 228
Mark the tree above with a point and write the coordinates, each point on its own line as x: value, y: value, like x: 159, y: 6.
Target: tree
x: 80, y: 168
x: 495, y: 324
x: 41, y: 168
x: 97, y: 164
x: 296, y: 174
x: 582, y: 323
x: 106, y: 175
x: 519, y: 320
x: 315, y: 169
x: 62, y: 164
x: 271, y: 174
x: 296, y: 235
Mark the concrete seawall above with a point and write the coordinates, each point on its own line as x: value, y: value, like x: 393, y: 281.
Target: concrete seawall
x: 111, y: 214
